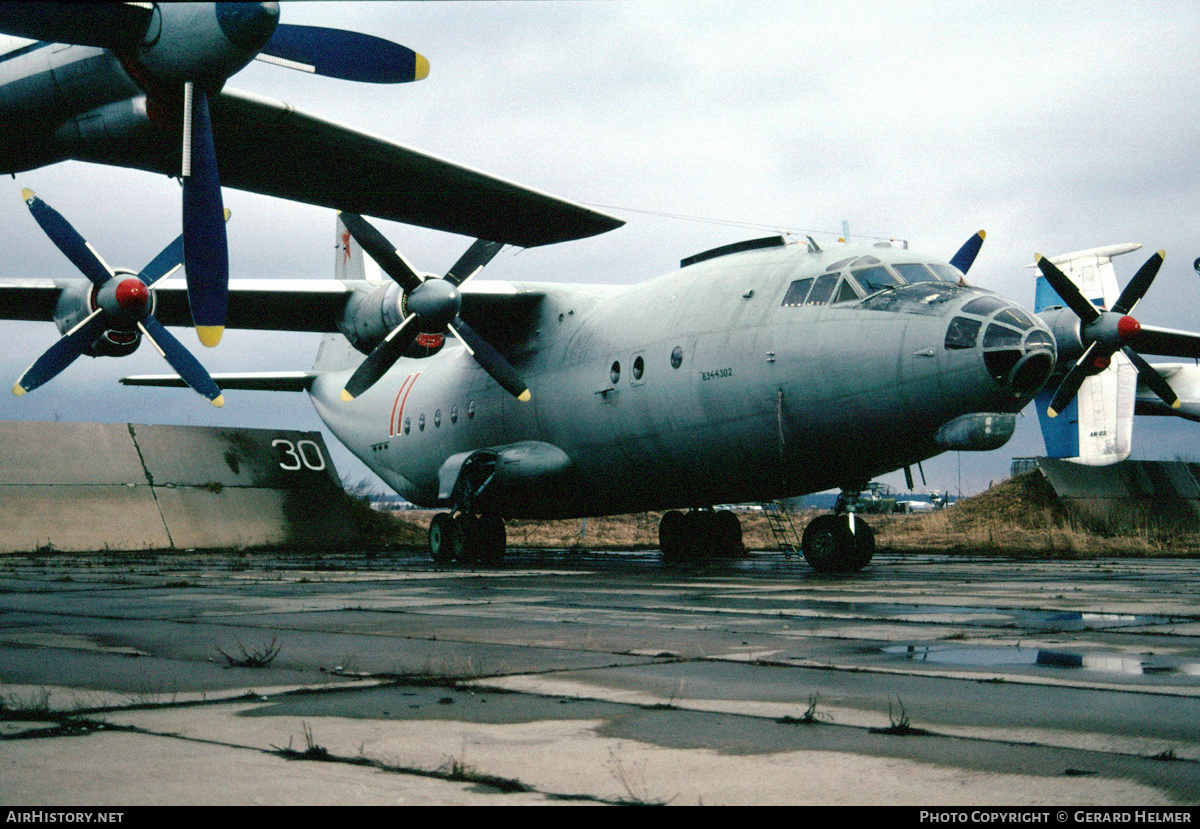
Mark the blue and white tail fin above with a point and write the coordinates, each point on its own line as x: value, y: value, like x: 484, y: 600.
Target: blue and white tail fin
x: 1097, y: 427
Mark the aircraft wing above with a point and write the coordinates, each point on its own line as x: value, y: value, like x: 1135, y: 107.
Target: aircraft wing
x: 499, y: 310
x: 267, y: 146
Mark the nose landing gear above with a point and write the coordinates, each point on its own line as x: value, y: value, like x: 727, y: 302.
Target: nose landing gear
x: 839, y: 543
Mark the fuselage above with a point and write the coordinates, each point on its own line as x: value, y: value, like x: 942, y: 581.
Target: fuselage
x: 748, y: 377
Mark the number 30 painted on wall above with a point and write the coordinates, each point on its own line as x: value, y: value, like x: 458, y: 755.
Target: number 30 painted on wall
x: 299, y: 455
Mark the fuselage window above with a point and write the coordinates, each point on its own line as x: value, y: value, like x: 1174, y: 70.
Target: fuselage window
x: 453, y: 415
x: 822, y: 289
x: 437, y: 418
x: 407, y: 425
x: 639, y: 368
x: 797, y: 292
x: 962, y: 333
x: 915, y: 272
x: 614, y: 373
x: 421, y: 422
x: 676, y: 357
x: 471, y: 410
x: 876, y: 279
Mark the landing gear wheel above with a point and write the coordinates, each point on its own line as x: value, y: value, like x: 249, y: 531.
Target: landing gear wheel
x: 490, y: 539
x: 445, y: 538
x: 672, y: 535
x: 831, y: 547
x: 728, y: 530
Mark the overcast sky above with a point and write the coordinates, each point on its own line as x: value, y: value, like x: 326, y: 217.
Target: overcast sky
x: 1055, y: 127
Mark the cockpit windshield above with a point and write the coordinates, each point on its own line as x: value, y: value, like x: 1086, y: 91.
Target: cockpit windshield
x: 927, y: 298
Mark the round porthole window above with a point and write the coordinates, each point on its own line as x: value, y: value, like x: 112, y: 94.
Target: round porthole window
x: 614, y: 373
x: 421, y: 422
x: 437, y: 418
x: 454, y: 414
x: 639, y: 368
x: 677, y: 357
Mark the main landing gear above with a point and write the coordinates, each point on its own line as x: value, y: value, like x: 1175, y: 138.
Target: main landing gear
x: 839, y: 543
x: 467, y: 538
x: 700, y: 533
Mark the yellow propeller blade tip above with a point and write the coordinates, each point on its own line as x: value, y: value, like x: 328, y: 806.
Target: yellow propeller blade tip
x: 27, y: 194
x: 421, y: 70
x: 983, y: 234
x: 347, y: 396
x: 525, y: 396
x: 219, y: 401
x: 1051, y: 413
x: 210, y: 335
x: 1177, y: 403
x: 18, y: 390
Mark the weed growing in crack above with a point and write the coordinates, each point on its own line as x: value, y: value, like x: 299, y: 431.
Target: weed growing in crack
x: 259, y: 658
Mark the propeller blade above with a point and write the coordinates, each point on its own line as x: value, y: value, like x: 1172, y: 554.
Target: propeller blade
x: 163, y: 265
x: 118, y: 26
x: 1164, y: 342
x: 62, y: 353
x: 1137, y: 286
x: 205, y: 247
x: 67, y: 239
x: 1067, y: 290
x: 471, y: 262
x: 382, y: 358
x: 967, y: 253
x: 180, y: 359
x: 1152, y: 379
x: 379, y: 249
x: 348, y: 56
x: 491, y: 360
x: 1070, y: 384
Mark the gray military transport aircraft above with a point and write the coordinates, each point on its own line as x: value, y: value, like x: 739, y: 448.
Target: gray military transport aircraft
x: 755, y: 372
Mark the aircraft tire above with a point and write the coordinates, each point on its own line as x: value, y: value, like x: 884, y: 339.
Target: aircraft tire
x: 445, y: 538
x: 490, y: 538
x: 830, y: 547
x: 728, y: 529
x: 672, y: 535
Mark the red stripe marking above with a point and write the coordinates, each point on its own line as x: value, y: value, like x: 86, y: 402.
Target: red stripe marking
x: 401, y: 398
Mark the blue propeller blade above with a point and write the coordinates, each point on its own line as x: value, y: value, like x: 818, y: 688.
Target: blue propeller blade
x: 188, y: 367
x: 967, y: 253
x: 348, y: 56
x: 164, y: 264
x: 67, y: 239
x: 62, y: 353
x: 205, y: 248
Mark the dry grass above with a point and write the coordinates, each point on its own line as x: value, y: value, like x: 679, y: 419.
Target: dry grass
x: 1019, y: 517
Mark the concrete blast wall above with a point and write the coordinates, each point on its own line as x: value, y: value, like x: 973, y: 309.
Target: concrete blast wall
x: 1129, y: 493
x: 93, y: 486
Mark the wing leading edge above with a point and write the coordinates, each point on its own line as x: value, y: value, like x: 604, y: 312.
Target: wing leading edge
x: 267, y: 146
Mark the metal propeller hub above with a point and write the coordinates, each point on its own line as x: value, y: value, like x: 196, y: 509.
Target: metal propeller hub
x: 436, y: 302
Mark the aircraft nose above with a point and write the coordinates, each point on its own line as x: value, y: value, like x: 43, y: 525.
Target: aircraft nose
x: 1017, y: 349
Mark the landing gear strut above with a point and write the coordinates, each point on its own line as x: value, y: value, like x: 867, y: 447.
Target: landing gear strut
x: 839, y: 543
x: 700, y: 533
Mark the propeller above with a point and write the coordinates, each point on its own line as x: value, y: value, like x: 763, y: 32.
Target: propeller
x: 119, y: 302
x: 1104, y: 332
x: 429, y: 305
x: 185, y: 52
x: 967, y: 253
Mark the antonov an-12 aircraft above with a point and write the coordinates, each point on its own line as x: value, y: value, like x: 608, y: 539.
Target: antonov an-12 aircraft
x: 755, y: 372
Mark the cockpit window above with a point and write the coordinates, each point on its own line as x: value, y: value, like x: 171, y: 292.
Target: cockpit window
x: 797, y: 291
x: 962, y: 333
x: 915, y: 272
x: 984, y: 306
x: 927, y: 298
x: 947, y: 273
x: 845, y: 292
x: 875, y: 279
x: 1001, y: 336
x: 822, y: 289
x: 1015, y: 317
x: 837, y: 266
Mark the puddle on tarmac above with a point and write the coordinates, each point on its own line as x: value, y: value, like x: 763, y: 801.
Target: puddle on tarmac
x: 1043, y: 657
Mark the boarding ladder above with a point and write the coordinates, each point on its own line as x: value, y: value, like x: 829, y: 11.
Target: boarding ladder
x: 780, y: 522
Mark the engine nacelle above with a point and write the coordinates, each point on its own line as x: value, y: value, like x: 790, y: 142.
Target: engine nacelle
x: 1066, y: 328
x: 370, y: 316
x: 75, y: 304
x: 204, y: 42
